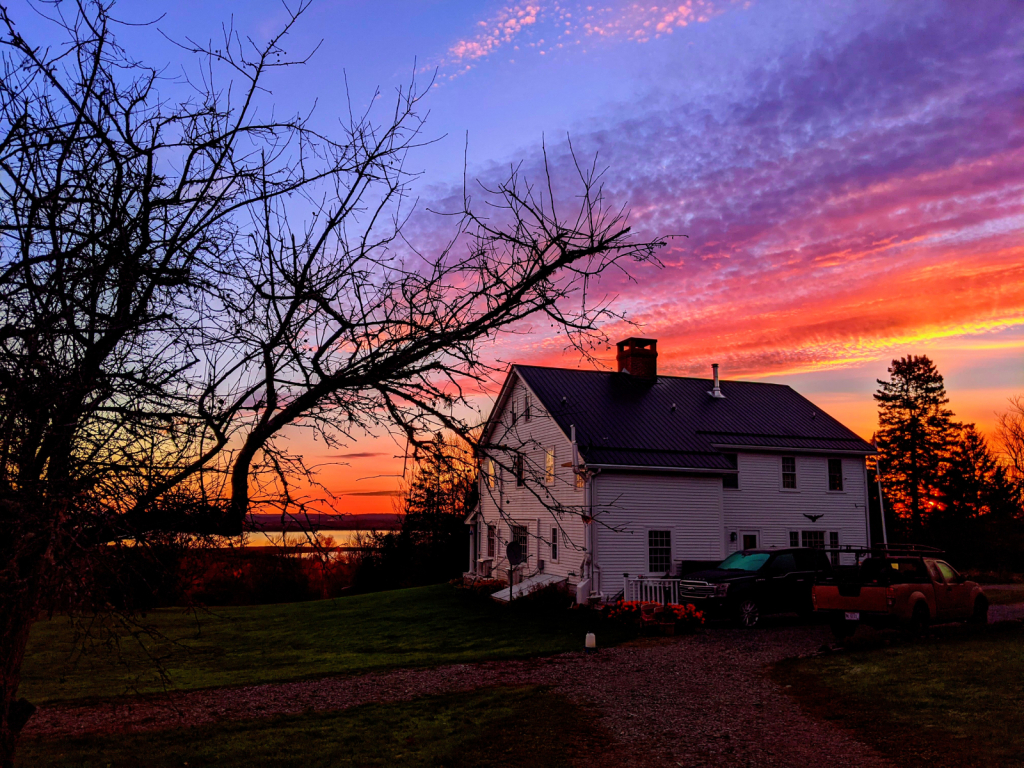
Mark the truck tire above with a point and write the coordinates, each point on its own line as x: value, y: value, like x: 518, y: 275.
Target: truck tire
x: 980, y: 614
x: 748, y: 613
x: 920, y: 619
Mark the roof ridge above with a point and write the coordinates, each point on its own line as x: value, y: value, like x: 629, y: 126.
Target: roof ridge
x: 660, y: 375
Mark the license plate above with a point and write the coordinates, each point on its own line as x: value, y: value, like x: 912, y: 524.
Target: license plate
x: 853, y: 615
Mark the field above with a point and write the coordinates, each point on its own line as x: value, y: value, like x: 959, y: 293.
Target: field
x: 182, y: 650
x: 954, y: 699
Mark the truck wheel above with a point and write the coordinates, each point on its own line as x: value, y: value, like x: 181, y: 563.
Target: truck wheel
x: 920, y: 619
x: 748, y: 613
x: 980, y: 614
x: 843, y: 629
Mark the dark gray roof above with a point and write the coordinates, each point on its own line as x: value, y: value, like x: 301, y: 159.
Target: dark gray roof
x: 624, y: 421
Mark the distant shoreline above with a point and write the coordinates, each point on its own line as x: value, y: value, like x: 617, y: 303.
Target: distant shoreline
x: 275, y: 523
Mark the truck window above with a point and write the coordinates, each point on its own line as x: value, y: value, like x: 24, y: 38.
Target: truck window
x: 812, y: 560
x: 783, y: 564
x: 951, y: 576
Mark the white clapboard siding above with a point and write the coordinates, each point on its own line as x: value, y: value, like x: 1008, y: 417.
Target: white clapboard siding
x: 629, y: 505
x: 762, y: 505
x: 522, y: 505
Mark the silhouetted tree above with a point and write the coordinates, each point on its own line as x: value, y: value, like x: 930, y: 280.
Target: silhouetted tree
x: 180, y: 281
x: 914, y: 433
x: 1010, y: 434
x: 430, y: 544
x: 973, y: 496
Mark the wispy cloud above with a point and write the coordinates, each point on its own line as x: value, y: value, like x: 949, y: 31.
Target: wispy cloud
x: 544, y: 27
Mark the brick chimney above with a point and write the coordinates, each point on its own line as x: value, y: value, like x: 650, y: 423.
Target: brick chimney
x: 638, y: 357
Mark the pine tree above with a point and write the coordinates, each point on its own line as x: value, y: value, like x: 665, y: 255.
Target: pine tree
x: 915, y: 431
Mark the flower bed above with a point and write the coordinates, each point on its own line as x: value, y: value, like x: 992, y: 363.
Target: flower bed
x: 637, y: 614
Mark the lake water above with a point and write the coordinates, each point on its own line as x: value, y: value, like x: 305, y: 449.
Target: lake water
x: 298, y: 538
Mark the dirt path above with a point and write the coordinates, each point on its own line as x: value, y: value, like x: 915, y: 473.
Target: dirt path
x: 694, y: 701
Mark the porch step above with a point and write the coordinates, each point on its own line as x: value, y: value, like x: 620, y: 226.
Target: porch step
x: 527, y: 585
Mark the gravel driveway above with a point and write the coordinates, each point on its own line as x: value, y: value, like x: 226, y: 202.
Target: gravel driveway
x: 702, y: 700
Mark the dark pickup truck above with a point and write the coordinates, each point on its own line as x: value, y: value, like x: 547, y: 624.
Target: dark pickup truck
x: 892, y: 589
x: 749, y: 584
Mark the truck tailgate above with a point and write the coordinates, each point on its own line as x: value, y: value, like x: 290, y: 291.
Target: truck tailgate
x: 850, y: 597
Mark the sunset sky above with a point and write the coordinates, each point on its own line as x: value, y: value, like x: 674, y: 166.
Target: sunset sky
x: 849, y: 175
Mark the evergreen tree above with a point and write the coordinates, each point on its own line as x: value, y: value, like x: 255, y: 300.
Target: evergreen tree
x: 915, y: 431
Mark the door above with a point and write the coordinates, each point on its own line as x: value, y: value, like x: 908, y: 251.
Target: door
x: 783, y: 591
x: 959, y: 593
x: 945, y: 606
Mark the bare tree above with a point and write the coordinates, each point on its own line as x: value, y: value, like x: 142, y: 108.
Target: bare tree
x: 181, y: 280
x: 1010, y: 434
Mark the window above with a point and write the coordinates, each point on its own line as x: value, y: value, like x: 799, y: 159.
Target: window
x: 783, y: 564
x: 554, y: 545
x: 520, y: 466
x: 794, y: 538
x: 732, y: 480
x: 815, y: 539
x: 951, y: 576
x: 490, y: 473
x: 659, y: 557
x: 579, y: 480
x: 521, y: 535
x: 490, y: 540
x: 549, y: 466
x: 835, y: 474
x: 512, y: 411
x: 750, y: 541
x: 789, y: 472
x: 526, y: 407
x: 833, y: 542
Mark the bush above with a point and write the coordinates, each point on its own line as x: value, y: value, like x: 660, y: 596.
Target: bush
x: 628, y: 614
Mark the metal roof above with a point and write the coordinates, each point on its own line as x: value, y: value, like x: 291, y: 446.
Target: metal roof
x: 674, y: 423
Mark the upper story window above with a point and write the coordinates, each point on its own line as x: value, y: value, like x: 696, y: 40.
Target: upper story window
x: 549, y: 465
x: 580, y: 481
x: 731, y: 480
x: 490, y: 473
x: 789, y: 471
x: 835, y: 474
x: 520, y: 467
x: 526, y: 407
x: 512, y: 415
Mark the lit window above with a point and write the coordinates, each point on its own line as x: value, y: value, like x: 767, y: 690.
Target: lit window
x: 659, y: 551
x: 835, y: 474
x: 490, y: 473
x: 789, y: 472
x: 579, y: 480
x: 549, y: 466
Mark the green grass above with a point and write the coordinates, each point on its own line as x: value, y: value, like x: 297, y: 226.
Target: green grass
x: 954, y: 699
x: 426, y: 626
x: 488, y: 727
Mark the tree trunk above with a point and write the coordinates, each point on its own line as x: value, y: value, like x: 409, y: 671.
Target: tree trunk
x: 16, y: 614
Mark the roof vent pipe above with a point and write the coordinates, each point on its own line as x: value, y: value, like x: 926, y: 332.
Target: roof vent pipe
x: 717, y: 391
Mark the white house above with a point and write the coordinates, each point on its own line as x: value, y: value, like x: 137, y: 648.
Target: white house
x: 601, y: 475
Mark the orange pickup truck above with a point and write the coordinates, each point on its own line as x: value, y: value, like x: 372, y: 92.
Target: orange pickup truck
x: 898, y: 590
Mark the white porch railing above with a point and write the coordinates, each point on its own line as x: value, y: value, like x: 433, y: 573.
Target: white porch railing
x: 650, y: 590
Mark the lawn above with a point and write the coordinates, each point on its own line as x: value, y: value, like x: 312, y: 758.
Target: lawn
x: 954, y: 699
x: 488, y: 727
x: 426, y: 626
